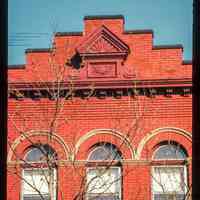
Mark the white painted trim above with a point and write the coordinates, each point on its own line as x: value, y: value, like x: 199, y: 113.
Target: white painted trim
x: 115, y: 133
x: 83, y: 162
x: 21, y: 138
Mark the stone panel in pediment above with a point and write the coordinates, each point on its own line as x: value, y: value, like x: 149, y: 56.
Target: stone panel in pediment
x: 102, y: 43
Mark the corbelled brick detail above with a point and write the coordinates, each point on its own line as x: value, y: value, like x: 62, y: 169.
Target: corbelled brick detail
x: 119, y: 109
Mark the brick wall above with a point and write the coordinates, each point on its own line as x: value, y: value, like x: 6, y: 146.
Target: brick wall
x: 134, y: 123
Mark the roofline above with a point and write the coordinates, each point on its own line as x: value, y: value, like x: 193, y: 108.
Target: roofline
x: 187, y: 62
x: 69, y: 34
x: 142, y: 31
x: 93, y: 17
x: 173, y: 46
x: 139, y: 31
x: 19, y: 66
x: 37, y: 50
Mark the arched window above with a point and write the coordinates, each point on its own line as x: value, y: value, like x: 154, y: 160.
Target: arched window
x: 39, y: 174
x: 170, y: 152
x: 169, y: 173
x: 104, y: 151
x: 41, y: 153
x: 104, y: 173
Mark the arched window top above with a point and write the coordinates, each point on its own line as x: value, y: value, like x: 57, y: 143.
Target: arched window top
x: 105, y: 151
x: 40, y: 153
x: 170, y: 151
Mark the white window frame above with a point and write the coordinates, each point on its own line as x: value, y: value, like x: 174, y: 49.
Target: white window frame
x: 40, y: 169
x: 103, y: 167
x: 169, y: 166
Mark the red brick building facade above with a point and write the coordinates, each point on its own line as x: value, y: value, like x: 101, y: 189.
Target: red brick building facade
x: 113, y: 112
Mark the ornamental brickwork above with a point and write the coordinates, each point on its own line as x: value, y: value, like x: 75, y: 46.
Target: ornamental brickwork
x: 105, y: 85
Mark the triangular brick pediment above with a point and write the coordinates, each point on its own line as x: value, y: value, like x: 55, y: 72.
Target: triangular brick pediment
x: 103, y: 41
x: 101, y: 45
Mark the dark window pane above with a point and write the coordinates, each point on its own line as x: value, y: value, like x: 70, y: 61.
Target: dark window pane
x: 105, y: 152
x: 170, y: 151
x: 40, y: 153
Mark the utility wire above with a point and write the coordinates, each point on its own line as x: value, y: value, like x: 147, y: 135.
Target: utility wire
x: 18, y: 45
x: 29, y: 33
x: 19, y: 39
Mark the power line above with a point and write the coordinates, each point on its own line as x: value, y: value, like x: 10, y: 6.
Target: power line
x: 16, y: 39
x: 24, y: 36
x: 18, y: 45
x: 19, y: 39
x: 29, y: 33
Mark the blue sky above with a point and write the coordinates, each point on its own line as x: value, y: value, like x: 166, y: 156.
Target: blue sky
x: 32, y: 23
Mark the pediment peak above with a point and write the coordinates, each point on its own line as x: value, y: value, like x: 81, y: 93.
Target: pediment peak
x: 103, y: 41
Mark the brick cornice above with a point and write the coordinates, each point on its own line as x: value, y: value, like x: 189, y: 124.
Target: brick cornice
x: 38, y: 50
x: 19, y: 66
x: 95, y: 17
x: 142, y: 31
x: 69, y: 34
x: 174, y: 46
x: 110, y: 84
x: 187, y: 62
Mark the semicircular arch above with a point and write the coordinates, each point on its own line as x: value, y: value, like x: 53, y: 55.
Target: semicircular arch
x: 165, y: 133
x: 108, y: 133
x: 24, y: 141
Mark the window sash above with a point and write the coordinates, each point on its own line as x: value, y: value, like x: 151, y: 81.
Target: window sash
x: 103, y: 197
x: 172, y: 183
x: 35, y: 184
x: 169, y: 196
x: 102, y: 182
x: 36, y: 197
